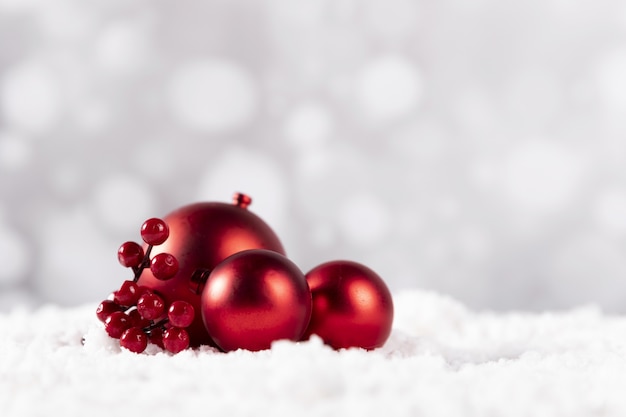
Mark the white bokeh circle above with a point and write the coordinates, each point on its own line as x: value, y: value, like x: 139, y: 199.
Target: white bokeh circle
x: 392, y: 19
x: 609, y: 211
x: 19, y: 6
x: 65, y: 21
x: 363, y: 219
x: 93, y: 116
x: 78, y: 264
x: 30, y: 97
x: 314, y: 163
x: 542, y: 176
x: 15, y: 151
x: 123, y: 47
x: 322, y: 234
x: 534, y: 96
x: 387, y: 88
x: 586, y: 270
x: 474, y: 109
x: 212, y: 95
x: 610, y: 79
x: 483, y: 173
x: 308, y: 125
x: 67, y: 179
x: 474, y: 243
x: 16, y: 257
x: 122, y: 203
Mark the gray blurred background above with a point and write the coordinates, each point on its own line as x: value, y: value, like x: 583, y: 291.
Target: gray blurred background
x: 475, y: 148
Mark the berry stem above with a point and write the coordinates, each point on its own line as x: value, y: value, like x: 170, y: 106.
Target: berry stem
x: 160, y: 323
x: 143, y: 265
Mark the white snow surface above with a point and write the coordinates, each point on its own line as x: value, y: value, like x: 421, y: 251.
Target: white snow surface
x: 442, y: 359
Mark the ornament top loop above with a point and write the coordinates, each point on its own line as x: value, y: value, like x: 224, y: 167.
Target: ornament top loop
x: 242, y: 200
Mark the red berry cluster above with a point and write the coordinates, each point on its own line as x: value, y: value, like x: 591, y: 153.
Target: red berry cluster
x: 137, y: 315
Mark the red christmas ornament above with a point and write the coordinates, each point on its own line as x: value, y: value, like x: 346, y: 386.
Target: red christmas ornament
x: 200, y: 236
x: 253, y: 298
x: 352, y: 306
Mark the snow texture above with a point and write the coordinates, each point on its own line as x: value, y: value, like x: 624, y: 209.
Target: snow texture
x: 442, y: 359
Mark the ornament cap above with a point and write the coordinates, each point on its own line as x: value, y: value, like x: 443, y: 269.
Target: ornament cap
x: 198, y: 279
x: 242, y: 200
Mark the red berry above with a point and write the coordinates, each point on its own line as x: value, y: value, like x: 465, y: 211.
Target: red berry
x: 141, y: 290
x: 154, y: 231
x: 128, y: 294
x: 105, y: 309
x: 136, y: 320
x: 175, y: 339
x: 150, y: 306
x: 156, y: 337
x: 164, y: 266
x: 130, y: 254
x: 116, y: 324
x: 180, y: 314
x: 134, y: 339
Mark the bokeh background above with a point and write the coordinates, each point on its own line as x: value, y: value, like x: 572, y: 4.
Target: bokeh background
x: 475, y: 148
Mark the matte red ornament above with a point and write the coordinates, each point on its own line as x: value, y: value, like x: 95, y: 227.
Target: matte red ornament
x: 201, y: 235
x: 254, y: 298
x: 352, y: 306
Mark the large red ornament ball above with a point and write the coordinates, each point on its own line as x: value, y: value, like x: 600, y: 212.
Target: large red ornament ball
x: 254, y: 298
x: 202, y: 235
x: 352, y: 306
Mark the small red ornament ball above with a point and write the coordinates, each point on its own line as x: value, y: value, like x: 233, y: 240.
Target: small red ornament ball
x: 254, y: 298
x: 352, y: 306
x: 200, y: 236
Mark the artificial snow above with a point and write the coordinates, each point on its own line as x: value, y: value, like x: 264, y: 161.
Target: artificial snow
x: 442, y: 359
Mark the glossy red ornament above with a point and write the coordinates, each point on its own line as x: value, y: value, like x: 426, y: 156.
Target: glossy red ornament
x: 202, y: 235
x: 352, y: 306
x: 254, y: 298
